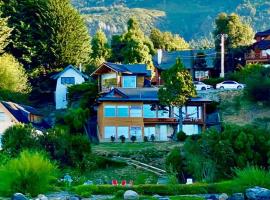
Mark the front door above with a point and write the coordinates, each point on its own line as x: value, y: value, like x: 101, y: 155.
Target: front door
x: 163, y: 133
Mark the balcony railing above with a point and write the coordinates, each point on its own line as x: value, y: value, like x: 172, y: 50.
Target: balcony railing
x: 256, y: 56
x: 173, y: 120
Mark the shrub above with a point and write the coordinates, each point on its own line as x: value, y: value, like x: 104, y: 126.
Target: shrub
x: 152, y: 138
x: 4, y: 158
x: 133, y: 138
x: 181, y: 136
x: 145, y: 139
x: 19, y: 137
x: 112, y: 138
x: 122, y: 138
x: 213, y: 81
x: 30, y: 173
x: 119, y: 194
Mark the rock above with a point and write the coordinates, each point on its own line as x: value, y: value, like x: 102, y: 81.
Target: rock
x: 223, y: 197
x: 18, y: 196
x: 212, y: 197
x: 74, y: 198
x: 257, y: 192
x: 164, y: 198
x: 42, y: 197
x: 131, y: 195
x: 237, y: 196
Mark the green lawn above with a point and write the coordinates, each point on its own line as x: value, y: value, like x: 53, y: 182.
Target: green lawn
x: 123, y: 147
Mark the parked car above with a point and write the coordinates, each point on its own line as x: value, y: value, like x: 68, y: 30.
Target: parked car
x: 230, y: 85
x: 201, y: 86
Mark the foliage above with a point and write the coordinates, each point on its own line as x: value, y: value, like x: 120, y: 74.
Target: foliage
x: 67, y: 149
x: 250, y: 176
x: 152, y: 137
x: 219, y: 153
x: 202, y: 43
x: 19, y: 137
x: 239, y: 33
x: 134, y: 46
x: 167, y: 41
x: 30, y: 173
x: 122, y: 138
x: 178, y: 86
x: 213, y: 81
x: 112, y: 138
x: 46, y: 33
x: 12, y: 75
x: 5, y: 33
x: 145, y: 139
x: 200, y: 62
x: 181, y: 136
x: 4, y: 158
x: 17, y: 97
x: 133, y: 138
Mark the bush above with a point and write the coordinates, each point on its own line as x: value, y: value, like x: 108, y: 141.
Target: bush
x: 112, y: 138
x: 119, y: 194
x: 152, y: 138
x: 213, y: 81
x: 181, y: 136
x: 19, y: 137
x: 133, y: 138
x: 145, y: 139
x: 122, y: 138
x: 30, y: 173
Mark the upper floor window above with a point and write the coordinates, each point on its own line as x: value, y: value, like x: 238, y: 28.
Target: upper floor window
x: 192, y: 112
x: 164, y: 113
x: 2, y: 116
x: 67, y: 80
x: 122, y: 111
x: 148, y: 112
x: 110, y: 111
x: 135, y: 111
x: 108, y: 81
x: 129, y: 82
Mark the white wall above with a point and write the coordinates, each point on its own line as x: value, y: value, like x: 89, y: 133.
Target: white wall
x: 61, y: 90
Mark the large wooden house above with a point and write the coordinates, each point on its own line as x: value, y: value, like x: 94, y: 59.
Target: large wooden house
x: 259, y: 52
x: 129, y: 106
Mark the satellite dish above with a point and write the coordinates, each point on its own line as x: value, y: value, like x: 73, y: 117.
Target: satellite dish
x: 268, y: 51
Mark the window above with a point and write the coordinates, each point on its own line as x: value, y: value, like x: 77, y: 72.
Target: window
x: 122, y: 130
x: 108, y: 81
x: 129, y: 81
x: 136, y: 131
x: 148, y: 131
x: 191, y: 129
x: 122, y: 111
x: 135, y: 111
x: 109, y: 131
x: 3, y: 116
x: 164, y: 113
x: 67, y: 80
x: 148, y: 113
x: 192, y: 112
x: 110, y: 111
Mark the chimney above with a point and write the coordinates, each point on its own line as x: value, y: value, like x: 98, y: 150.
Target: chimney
x: 159, y: 56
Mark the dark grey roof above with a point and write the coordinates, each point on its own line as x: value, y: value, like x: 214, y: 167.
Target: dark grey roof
x: 187, y: 57
x: 129, y: 68
x: 56, y: 76
x: 263, y: 33
x: 138, y: 94
x: 262, y: 45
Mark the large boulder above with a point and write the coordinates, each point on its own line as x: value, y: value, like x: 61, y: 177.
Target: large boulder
x: 237, y: 196
x: 258, y: 193
x: 74, y: 198
x: 18, y: 196
x: 42, y: 197
x: 131, y: 195
x: 223, y: 197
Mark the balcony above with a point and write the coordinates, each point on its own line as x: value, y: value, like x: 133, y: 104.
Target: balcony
x: 257, y: 57
x: 171, y: 121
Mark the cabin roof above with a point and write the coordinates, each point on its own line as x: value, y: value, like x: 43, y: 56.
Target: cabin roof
x: 56, y: 76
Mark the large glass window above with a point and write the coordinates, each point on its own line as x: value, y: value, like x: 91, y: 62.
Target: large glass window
x: 135, y: 111
x: 122, y: 130
x: 122, y: 111
x: 148, y: 131
x: 67, y: 80
x: 129, y: 81
x: 108, y: 81
x: 3, y: 116
x: 164, y: 113
x: 110, y: 111
x: 147, y: 112
x: 191, y: 129
x: 192, y: 112
x: 109, y: 131
x: 136, y: 131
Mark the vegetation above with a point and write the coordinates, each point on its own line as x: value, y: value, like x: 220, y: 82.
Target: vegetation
x: 30, y: 173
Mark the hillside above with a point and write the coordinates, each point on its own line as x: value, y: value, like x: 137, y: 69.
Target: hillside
x: 191, y: 18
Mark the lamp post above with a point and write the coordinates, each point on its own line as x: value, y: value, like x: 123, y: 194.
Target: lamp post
x: 222, y: 37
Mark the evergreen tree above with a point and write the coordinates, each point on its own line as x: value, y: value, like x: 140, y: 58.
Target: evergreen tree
x: 100, y: 48
x: 5, y: 33
x: 47, y: 33
x: 177, y: 88
x: 239, y: 33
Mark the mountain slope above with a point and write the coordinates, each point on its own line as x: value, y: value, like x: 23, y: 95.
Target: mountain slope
x: 190, y: 18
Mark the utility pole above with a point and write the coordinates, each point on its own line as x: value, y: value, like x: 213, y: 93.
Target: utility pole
x: 222, y: 45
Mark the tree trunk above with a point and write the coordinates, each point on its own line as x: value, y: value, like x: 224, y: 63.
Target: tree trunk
x: 180, y: 117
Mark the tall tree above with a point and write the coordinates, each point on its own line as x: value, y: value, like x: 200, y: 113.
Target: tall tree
x: 46, y: 33
x: 100, y: 48
x: 178, y: 87
x: 5, y: 33
x: 167, y: 41
x: 239, y: 33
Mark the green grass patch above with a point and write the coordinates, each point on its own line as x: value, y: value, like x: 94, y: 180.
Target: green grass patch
x: 186, y: 198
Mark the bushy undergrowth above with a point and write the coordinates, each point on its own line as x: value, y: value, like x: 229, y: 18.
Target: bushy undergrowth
x: 30, y: 173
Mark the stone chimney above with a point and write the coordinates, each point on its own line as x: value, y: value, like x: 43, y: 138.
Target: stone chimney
x: 159, y: 56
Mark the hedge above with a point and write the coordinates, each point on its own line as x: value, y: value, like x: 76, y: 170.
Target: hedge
x: 151, y: 189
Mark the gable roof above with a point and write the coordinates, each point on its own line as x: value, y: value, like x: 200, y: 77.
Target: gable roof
x: 262, y: 45
x: 263, y: 33
x: 187, y: 57
x: 56, y: 76
x: 136, y: 69
x: 138, y: 94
